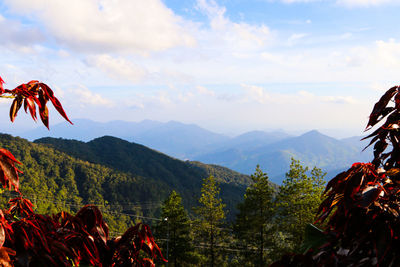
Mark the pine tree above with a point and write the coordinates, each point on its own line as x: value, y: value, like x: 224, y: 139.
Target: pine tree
x: 211, y: 218
x: 253, y: 225
x: 175, y: 228
x: 298, y: 201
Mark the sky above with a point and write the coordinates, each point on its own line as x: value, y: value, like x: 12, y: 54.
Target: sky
x: 229, y: 66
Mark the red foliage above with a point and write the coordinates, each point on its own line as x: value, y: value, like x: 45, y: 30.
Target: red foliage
x: 64, y: 239
x: 31, y: 94
x: 8, y: 171
x: 30, y: 239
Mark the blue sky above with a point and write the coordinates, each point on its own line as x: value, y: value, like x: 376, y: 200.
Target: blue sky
x: 227, y: 65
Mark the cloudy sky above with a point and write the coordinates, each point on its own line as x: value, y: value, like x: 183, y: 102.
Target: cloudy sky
x: 227, y: 65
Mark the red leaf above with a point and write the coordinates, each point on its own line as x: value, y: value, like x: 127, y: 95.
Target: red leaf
x: 33, y: 82
x: 44, y: 115
x: 6, y: 153
x: 15, y: 106
x: 1, y: 85
x: 54, y: 100
x: 5, y: 254
x: 8, y: 173
x: 21, y: 206
x: 2, y: 235
x: 30, y: 103
x: 380, y: 106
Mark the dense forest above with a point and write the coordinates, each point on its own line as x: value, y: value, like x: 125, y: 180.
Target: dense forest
x: 126, y: 180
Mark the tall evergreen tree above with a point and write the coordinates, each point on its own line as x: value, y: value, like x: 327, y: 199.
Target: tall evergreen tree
x: 253, y: 227
x: 175, y: 228
x: 211, y: 218
x: 298, y: 201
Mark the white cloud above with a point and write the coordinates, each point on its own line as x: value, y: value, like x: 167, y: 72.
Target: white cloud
x: 118, y: 68
x: 381, y: 87
x: 388, y: 52
x: 366, y: 3
x: 135, y: 103
x: 294, y: 38
x: 339, y: 99
x: 231, y: 35
x: 82, y: 95
x: 256, y: 93
x: 348, y: 3
x: 298, y: 1
x: 204, y: 91
x: 17, y: 36
x: 309, y: 97
x: 163, y: 98
x: 381, y: 59
x: 108, y: 25
x: 185, y: 97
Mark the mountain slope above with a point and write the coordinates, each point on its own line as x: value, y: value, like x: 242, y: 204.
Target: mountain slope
x: 183, y: 176
x: 56, y: 181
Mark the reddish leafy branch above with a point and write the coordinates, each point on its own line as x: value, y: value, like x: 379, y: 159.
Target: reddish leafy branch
x: 8, y: 171
x: 32, y: 94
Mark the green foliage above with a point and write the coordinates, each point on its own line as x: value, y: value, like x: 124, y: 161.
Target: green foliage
x: 161, y: 173
x: 211, y: 217
x: 254, y: 223
x: 175, y: 228
x: 55, y: 181
x: 297, y: 202
x: 136, y: 185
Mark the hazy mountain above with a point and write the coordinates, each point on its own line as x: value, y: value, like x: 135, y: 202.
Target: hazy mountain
x: 173, y: 138
x: 86, y: 130
x: 178, y: 139
x: 250, y: 140
x: 272, y: 150
x: 311, y: 148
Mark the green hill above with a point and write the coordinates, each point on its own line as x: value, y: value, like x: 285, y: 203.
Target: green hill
x: 127, y: 180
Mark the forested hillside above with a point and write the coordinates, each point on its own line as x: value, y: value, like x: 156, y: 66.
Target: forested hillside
x: 120, y: 177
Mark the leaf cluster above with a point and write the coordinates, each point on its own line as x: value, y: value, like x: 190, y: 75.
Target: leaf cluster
x: 32, y: 94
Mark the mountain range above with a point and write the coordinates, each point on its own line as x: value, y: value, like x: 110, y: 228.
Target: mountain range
x: 271, y: 150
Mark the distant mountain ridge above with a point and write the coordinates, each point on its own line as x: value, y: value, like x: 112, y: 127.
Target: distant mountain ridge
x: 272, y: 150
x: 173, y: 138
x: 311, y: 148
